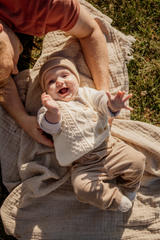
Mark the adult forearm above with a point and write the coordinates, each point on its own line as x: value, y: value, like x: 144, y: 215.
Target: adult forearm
x: 12, y: 103
x: 94, y: 47
x: 96, y: 54
x: 15, y: 108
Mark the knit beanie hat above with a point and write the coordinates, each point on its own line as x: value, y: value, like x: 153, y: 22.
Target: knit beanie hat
x: 57, y: 62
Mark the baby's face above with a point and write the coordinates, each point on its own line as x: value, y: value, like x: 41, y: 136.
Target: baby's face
x: 61, y: 84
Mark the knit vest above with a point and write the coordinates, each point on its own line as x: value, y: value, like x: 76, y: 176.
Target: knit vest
x: 82, y: 128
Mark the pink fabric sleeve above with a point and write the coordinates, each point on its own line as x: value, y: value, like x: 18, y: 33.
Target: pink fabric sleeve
x: 38, y: 17
x: 63, y: 15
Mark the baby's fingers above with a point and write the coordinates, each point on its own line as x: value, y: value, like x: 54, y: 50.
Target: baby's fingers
x: 43, y: 94
x: 127, y: 97
x: 109, y: 96
x: 128, y: 108
x: 122, y: 94
x: 45, y: 97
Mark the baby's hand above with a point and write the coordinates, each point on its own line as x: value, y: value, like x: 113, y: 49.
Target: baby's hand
x: 49, y: 103
x: 117, y: 102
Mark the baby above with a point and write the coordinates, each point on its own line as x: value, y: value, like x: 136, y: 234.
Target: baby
x: 77, y: 118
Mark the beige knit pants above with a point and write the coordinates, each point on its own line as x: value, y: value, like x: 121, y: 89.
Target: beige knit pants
x: 113, y: 159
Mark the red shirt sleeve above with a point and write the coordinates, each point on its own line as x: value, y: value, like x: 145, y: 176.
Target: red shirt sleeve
x: 37, y: 17
x: 65, y: 14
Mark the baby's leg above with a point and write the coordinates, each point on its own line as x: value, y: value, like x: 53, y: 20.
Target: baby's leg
x: 128, y: 164
x: 99, y: 194
x: 107, y: 162
x: 89, y: 189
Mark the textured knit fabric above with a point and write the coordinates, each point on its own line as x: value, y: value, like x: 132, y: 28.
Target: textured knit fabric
x: 84, y: 125
x: 37, y: 17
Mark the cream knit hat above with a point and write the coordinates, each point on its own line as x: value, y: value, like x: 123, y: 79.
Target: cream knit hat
x: 56, y: 62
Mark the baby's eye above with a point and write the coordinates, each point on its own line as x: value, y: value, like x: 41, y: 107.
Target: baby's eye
x: 51, y: 81
x: 65, y: 75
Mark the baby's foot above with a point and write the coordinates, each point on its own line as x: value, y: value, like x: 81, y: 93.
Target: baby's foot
x: 125, y: 204
x: 130, y: 195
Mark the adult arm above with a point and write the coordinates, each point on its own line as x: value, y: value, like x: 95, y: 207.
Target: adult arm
x: 94, y: 48
x: 15, y: 108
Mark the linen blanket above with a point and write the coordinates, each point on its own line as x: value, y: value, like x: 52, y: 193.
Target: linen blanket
x: 41, y: 203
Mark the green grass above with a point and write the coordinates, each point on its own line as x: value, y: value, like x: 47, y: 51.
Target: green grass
x: 138, y: 18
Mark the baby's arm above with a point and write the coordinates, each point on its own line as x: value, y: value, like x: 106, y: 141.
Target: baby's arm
x: 53, y: 114
x: 117, y: 102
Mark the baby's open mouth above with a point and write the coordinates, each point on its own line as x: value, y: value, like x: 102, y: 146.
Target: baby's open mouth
x: 63, y: 90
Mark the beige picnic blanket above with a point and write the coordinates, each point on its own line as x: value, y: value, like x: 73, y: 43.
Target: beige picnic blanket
x: 41, y: 203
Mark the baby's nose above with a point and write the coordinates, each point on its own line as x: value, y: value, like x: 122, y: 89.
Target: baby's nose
x: 60, y: 82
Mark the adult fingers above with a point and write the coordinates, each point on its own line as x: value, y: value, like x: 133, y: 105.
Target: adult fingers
x: 45, y: 140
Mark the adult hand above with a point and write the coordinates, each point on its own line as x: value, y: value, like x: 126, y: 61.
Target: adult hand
x: 34, y: 131
x: 13, y: 105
